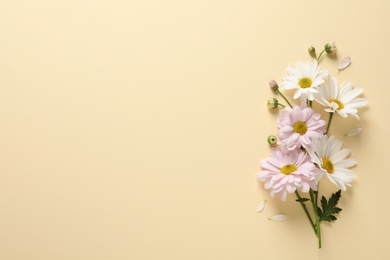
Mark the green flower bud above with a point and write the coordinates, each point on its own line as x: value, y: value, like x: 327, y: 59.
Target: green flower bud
x: 312, y: 51
x: 272, y: 103
x: 272, y: 140
x: 330, y: 47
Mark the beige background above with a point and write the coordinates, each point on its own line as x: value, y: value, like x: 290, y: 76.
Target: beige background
x: 133, y: 129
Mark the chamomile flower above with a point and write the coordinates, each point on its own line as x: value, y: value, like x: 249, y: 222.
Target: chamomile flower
x: 332, y: 161
x: 287, y: 172
x: 299, y: 126
x: 304, y: 77
x: 342, y: 102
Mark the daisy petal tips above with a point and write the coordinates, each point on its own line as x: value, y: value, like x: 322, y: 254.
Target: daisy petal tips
x: 261, y: 206
x: 280, y: 217
x: 344, y: 63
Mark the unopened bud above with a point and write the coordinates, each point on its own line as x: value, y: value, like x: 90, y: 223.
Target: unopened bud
x: 273, y: 85
x: 272, y: 140
x: 312, y: 51
x: 272, y: 103
x: 330, y: 47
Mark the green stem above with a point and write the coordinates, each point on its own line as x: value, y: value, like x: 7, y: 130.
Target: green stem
x: 306, y: 212
x: 318, y: 228
x: 318, y: 222
x: 330, y: 120
x: 281, y: 105
x: 319, y: 56
x: 284, y: 98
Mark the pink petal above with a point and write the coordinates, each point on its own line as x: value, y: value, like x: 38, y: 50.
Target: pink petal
x: 344, y: 63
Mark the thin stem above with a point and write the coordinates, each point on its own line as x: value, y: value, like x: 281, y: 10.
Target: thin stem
x: 284, y: 98
x: 330, y: 120
x: 319, y: 56
x: 318, y: 228
x: 318, y: 222
x: 306, y: 212
x: 281, y: 105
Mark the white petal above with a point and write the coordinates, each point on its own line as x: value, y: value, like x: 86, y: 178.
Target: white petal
x: 319, y: 175
x: 355, y: 131
x: 344, y: 63
x: 280, y: 217
x: 355, y: 116
x: 261, y: 206
x: 333, y: 87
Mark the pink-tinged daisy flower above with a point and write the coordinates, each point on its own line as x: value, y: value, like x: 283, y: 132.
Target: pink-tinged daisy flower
x: 342, y: 102
x: 287, y: 172
x: 299, y: 126
x: 304, y: 77
x: 332, y: 161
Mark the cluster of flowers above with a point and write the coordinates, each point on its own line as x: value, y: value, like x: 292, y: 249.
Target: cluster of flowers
x: 303, y: 152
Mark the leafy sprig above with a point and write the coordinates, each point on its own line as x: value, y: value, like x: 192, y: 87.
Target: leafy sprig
x: 329, y: 208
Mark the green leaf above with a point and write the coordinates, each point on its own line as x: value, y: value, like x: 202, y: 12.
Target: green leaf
x: 302, y: 199
x: 329, y: 208
x: 319, y: 211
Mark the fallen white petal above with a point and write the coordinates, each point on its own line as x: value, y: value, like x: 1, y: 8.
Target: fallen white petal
x: 280, y: 217
x: 355, y: 131
x: 261, y: 206
x: 344, y: 63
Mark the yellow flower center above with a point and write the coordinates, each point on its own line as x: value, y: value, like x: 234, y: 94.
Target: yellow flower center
x: 338, y: 102
x: 327, y: 165
x: 288, y: 168
x: 300, y: 127
x: 305, y: 82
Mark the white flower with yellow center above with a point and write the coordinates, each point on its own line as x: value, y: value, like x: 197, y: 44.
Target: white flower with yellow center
x: 305, y: 78
x: 342, y: 102
x: 332, y: 162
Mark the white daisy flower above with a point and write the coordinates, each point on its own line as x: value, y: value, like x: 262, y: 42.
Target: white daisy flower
x: 304, y: 77
x: 333, y: 162
x: 342, y: 102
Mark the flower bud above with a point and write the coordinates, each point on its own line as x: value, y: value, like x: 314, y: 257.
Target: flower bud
x: 272, y: 140
x: 312, y: 51
x: 273, y: 85
x: 272, y: 103
x: 330, y: 47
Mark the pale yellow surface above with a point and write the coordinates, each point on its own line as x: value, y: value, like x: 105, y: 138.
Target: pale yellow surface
x: 133, y: 129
